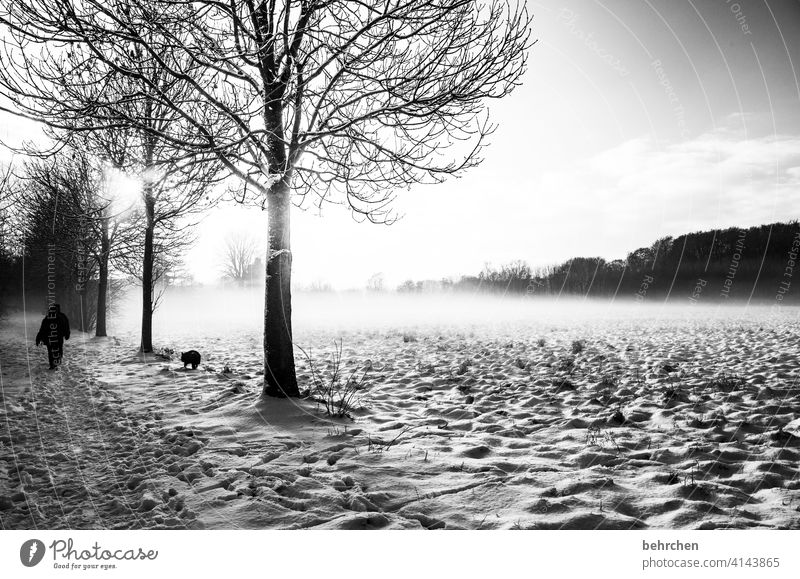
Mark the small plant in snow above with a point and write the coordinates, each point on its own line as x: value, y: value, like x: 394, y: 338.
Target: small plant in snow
x: 578, y: 346
x: 594, y: 436
x: 566, y: 364
x: 690, y: 478
x: 607, y: 386
x: 727, y: 382
x: 608, y: 381
x: 164, y: 353
x: 338, y: 395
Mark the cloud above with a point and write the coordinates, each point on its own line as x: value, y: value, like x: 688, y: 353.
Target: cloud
x: 641, y: 189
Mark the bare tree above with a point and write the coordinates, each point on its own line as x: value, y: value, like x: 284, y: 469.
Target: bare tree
x: 375, y: 283
x: 335, y: 100
x: 238, y: 255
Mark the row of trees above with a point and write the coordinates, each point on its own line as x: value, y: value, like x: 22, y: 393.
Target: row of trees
x: 68, y: 223
x: 758, y: 262
x: 328, y: 99
x: 10, y: 264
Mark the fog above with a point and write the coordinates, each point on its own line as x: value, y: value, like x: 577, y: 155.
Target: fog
x: 218, y: 312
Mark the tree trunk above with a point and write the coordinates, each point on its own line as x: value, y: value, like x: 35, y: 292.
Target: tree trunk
x: 82, y: 287
x: 147, y: 274
x: 102, y: 282
x: 83, y: 304
x: 279, y: 372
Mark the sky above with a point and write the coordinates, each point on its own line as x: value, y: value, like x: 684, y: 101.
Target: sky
x: 635, y: 120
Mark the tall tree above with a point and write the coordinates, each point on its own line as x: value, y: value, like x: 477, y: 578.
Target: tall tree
x: 344, y: 101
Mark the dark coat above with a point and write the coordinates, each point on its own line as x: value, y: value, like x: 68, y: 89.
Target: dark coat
x: 54, y: 328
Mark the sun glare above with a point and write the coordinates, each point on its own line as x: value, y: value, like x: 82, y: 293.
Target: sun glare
x: 124, y: 191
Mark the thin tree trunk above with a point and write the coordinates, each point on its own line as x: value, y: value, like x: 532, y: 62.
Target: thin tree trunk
x: 280, y: 378
x: 147, y: 274
x: 83, y: 324
x: 83, y: 298
x: 102, y: 283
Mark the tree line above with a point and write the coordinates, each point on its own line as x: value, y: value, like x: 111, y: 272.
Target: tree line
x: 756, y: 263
x: 67, y: 236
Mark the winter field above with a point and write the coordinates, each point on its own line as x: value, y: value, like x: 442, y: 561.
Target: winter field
x: 473, y: 414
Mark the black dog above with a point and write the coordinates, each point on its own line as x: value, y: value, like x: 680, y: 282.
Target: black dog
x: 191, y: 357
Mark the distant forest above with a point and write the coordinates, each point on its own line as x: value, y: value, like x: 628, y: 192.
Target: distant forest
x: 758, y: 263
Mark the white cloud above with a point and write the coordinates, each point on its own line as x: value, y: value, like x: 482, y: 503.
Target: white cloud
x: 635, y: 192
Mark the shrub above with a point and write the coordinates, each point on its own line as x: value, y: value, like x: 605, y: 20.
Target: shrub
x: 727, y: 382
x: 566, y: 364
x: 337, y: 394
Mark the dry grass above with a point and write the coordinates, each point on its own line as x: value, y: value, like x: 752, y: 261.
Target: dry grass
x: 337, y: 394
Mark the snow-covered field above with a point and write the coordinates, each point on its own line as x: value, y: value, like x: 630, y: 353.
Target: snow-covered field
x: 477, y: 414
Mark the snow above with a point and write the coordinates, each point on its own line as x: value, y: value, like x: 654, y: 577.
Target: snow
x: 472, y: 424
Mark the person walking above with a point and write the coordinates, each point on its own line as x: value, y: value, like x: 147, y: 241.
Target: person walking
x: 52, y: 333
